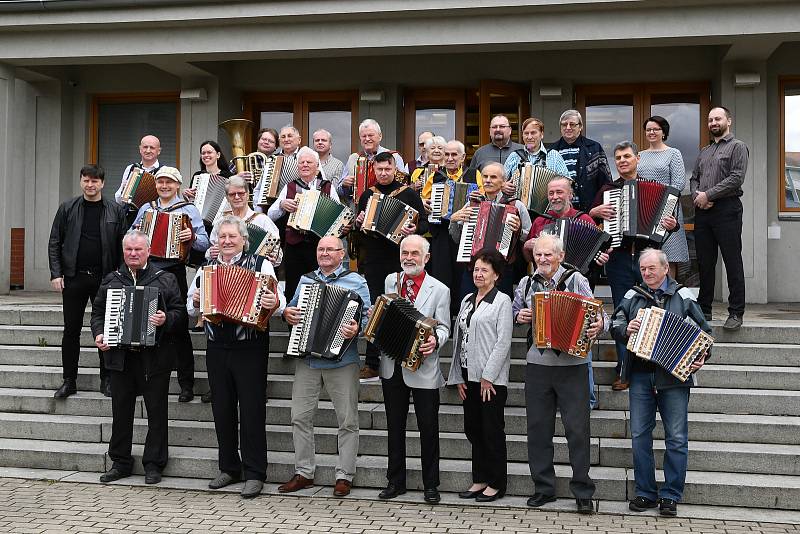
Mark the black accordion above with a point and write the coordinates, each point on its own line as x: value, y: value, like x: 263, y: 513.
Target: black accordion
x: 324, y: 309
x: 640, y: 205
x: 669, y: 341
x: 387, y: 216
x: 127, y: 318
x: 398, y: 329
x: 530, y: 182
x: 583, y: 241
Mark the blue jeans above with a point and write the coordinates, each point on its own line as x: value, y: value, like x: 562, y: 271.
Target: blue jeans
x: 673, y: 405
x: 623, y: 274
x: 592, y: 394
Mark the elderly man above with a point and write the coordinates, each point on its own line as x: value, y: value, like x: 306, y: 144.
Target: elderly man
x: 654, y: 388
x: 432, y: 299
x: 585, y: 159
x: 501, y: 146
x: 331, y: 166
x: 340, y: 378
x: 136, y: 370
x: 290, y: 141
x: 423, y: 153
x: 716, y: 187
x: 556, y: 380
x: 369, y: 133
x: 149, y: 150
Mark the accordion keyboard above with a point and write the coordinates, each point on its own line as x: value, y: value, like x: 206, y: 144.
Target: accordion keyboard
x: 307, y: 299
x: 468, y: 237
x: 613, y: 226
x: 437, y: 201
x: 112, y: 331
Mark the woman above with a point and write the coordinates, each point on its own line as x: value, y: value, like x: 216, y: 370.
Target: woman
x: 534, y: 151
x: 212, y: 161
x: 664, y: 164
x: 421, y: 177
x: 267, y: 142
x: 481, y: 360
x: 237, y: 364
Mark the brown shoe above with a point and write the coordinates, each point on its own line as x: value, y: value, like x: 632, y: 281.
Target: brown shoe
x: 619, y: 385
x: 342, y: 488
x: 296, y: 483
x: 367, y: 374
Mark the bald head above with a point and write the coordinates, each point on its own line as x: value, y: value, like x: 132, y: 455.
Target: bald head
x: 149, y: 150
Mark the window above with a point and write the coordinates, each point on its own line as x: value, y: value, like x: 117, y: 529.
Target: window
x: 789, y: 192
x: 440, y: 111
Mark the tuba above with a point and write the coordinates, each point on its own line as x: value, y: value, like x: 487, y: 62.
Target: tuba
x: 239, y: 131
x: 253, y: 163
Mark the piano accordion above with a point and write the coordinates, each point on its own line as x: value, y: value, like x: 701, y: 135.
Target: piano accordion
x: 583, y: 241
x: 669, y: 341
x: 448, y: 197
x: 164, y: 228
x: 531, y: 182
x: 487, y: 228
x: 562, y: 320
x: 398, y: 329
x: 270, y: 180
x: 387, y: 216
x: 263, y: 243
x: 127, y: 318
x: 365, y: 177
x: 210, y: 199
x: 140, y: 187
x: 324, y: 309
x: 319, y: 214
x: 640, y: 205
x: 230, y: 293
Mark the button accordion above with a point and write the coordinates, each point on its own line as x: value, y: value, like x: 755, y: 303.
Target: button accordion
x: 583, y: 241
x: 387, y: 216
x: 263, y: 243
x: 270, y: 181
x: 319, y: 214
x: 324, y: 309
x: 127, y: 318
x: 639, y: 207
x: 562, y: 320
x: 531, y: 182
x: 164, y: 228
x: 448, y: 197
x: 487, y: 227
x: 398, y: 329
x: 210, y: 198
x: 140, y: 187
x: 230, y: 293
x: 669, y: 341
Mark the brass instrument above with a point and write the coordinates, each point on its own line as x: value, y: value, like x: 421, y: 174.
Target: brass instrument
x: 253, y: 163
x: 239, y: 131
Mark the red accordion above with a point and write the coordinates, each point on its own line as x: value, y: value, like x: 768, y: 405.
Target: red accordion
x: 163, y: 229
x: 233, y: 294
x: 562, y: 319
x: 365, y: 177
x: 488, y: 228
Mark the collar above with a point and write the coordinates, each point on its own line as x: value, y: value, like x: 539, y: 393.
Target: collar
x: 488, y: 299
x: 335, y: 274
x: 455, y: 176
x: 727, y: 137
x: 174, y: 200
x: 416, y: 279
x: 380, y: 149
x: 233, y: 260
x: 148, y: 169
x: 556, y: 275
x: 507, y: 145
x: 326, y: 160
x: 541, y: 149
x: 135, y: 275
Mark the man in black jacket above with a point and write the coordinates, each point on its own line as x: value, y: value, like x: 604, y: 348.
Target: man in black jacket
x: 85, y: 244
x: 140, y: 371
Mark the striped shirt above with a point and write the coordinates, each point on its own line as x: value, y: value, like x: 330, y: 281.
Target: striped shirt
x: 720, y: 169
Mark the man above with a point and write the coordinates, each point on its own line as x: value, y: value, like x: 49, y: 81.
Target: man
x: 556, y: 380
x: 432, y: 299
x: 369, y: 133
x: 85, y: 244
x: 652, y: 387
x: 149, y: 150
x: 340, y: 379
x: 585, y: 159
x: 716, y: 185
x: 501, y: 146
x: 168, y: 185
x: 379, y: 255
x: 139, y: 371
x: 422, y: 159
x: 331, y: 166
x: 290, y: 143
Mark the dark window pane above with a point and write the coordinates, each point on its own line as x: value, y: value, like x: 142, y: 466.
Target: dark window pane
x: 338, y: 123
x: 608, y: 125
x: 791, y: 137
x: 440, y: 121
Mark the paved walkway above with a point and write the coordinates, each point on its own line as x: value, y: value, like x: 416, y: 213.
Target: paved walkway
x: 36, y: 506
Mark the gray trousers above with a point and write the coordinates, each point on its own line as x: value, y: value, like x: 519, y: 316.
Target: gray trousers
x: 342, y: 387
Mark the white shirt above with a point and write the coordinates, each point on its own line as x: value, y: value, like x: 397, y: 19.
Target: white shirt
x: 125, y: 174
x: 275, y: 211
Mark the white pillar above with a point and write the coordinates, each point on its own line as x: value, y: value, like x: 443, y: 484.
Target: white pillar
x: 7, y: 82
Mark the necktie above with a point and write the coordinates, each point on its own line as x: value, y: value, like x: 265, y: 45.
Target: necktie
x: 410, y: 295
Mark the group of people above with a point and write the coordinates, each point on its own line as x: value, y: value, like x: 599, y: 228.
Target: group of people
x: 93, y: 248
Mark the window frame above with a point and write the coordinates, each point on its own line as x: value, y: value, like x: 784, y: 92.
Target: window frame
x: 445, y: 97
x: 784, y: 211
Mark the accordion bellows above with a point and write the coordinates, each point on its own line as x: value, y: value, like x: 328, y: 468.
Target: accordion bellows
x: 669, y: 341
x: 531, y: 182
x: 562, y: 320
x: 319, y: 214
x: 398, y: 329
x: 487, y: 227
x: 163, y: 229
x: 583, y: 241
x: 231, y: 293
x: 262, y: 243
x: 387, y: 216
x: 210, y: 198
x: 127, y: 317
x: 640, y: 205
x: 140, y: 187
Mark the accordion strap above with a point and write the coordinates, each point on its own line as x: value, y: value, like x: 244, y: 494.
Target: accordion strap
x: 253, y: 216
x: 393, y: 193
x: 173, y: 207
x: 313, y: 276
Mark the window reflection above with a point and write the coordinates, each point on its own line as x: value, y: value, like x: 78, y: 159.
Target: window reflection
x: 791, y: 139
x: 608, y: 125
x: 276, y: 119
x: 684, y: 133
x: 338, y: 124
x: 440, y: 121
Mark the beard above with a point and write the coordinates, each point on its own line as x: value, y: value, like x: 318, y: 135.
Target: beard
x: 412, y: 270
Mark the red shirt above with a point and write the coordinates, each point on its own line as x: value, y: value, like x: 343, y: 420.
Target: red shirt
x: 540, y: 222
x: 417, y: 281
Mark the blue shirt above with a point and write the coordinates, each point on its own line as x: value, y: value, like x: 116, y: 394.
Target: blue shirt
x: 553, y: 161
x: 354, y: 282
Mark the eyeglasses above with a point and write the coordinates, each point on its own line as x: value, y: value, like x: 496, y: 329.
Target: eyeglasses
x: 569, y: 124
x: 328, y: 250
x: 499, y: 126
x: 238, y: 194
x: 651, y: 130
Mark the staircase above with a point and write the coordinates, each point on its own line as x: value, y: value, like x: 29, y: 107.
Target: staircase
x: 744, y: 421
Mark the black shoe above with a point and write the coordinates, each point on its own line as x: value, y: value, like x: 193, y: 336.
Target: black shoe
x: 469, y: 494
x: 733, y: 323
x: 482, y: 497
x: 708, y: 317
x: 640, y: 504
x: 223, y: 479
x: 391, y: 491
x: 667, y: 507
x: 113, y: 474
x: 585, y: 506
x: 67, y: 388
x: 186, y: 395
x: 207, y: 397
x: 432, y: 496
x: 540, y: 499
x: 105, y: 386
x: 152, y: 476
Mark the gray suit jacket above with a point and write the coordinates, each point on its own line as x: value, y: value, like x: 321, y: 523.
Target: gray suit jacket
x: 433, y: 301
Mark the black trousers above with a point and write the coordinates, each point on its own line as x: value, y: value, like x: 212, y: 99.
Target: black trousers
x: 184, y: 362
x: 426, y: 407
x: 484, y: 425
x: 126, y: 385
x: 565, y: 388
x: 236, y: 377
x: 375, y: 273
x: 720, y: 228
x: 298, y: 260
x: 78, y: 290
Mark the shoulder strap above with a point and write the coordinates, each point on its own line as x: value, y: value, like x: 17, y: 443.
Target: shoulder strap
x: 176, y: 206
x: 562, y: 282
x: 253, y: 216
x: 398, y: 191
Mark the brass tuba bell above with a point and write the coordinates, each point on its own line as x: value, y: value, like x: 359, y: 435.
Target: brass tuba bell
x: 239, y: 131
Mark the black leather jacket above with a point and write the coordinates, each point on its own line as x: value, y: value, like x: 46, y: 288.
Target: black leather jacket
x: 65, y: 236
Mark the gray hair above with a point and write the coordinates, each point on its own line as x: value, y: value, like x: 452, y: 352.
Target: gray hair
x: 426, y: 245
x: 436, y: 139
x: 370, y: 123
x: 624, y: 145
x: 234, y: 181
x: 556, y: 242
x: 133, y: 233
x: 560, y: 178
x: 461, y: 148
x: 290, y: 127
x: 305, y: 150
x: 660, y: 254
x: 323, y: 131
x: 498, y: 165
x: 232, y: 220
x: 571, y: 113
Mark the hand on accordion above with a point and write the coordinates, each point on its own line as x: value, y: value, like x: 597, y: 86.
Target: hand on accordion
x: 416, y: 185
x: 213, y: 251
x: 190, y: 194
x: 602, y: 258
x: 100, y: 343
x: 633, y: 327
x: 289, y: 205
x: 186, y: 234
x: 292, y: 315
x: 514, y: 222
x: 268, y: 300
x: 196, y: 299
x: 350, y: 330
x: 360, y: 219
x: 427, y: 348
x: 427, y: 204
x: 462, y: 215
x: 697, y: 364
x: 596, y: 327
x: 509, y: 189
x: 158, y: 318
x: 408, y: 229
x: 603, y: 211
x: 525, y: 316
x: 669, y: 222
x: 349, y: 181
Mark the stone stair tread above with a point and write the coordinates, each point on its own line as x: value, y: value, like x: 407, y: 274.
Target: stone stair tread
x: 715, y: 446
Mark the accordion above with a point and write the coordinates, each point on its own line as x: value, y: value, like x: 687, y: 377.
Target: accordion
x: 233, y: 294
x: 319, y: 214
x: 365, y: 177
x: 164, y: 228
x: 140, y: 187
x: 669, y: 341
x: 210, y: 198
x: 639, y: 206
x: 448, y: 197
x: 263, y: 243
x: 531, y: 182
x: 583, y: 241
x: 487, y: 228
x: 398, y: 329
x: 270, y: 181
x: 387, y: 216
x: 324, y: 309
x: 562, y: 319
x: 127, y: 319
